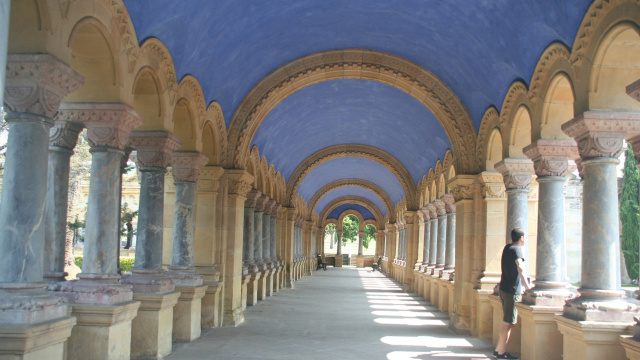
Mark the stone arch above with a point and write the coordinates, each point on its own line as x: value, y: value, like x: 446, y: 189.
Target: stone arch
x: 490, y: 122
x: 183, y: 126
x: 351, y: 182
x: 438, y: 176
x: 512, y: 120
x: 351, y: 150
x: 520, y: 134
x: 209, y: 148
x: 355, y: 213
x: 268, y: 184
x: 548, y: 92
x: 494, y: 149
x: 190, y: 92
x: 154, y: 54
x: 352, y: 200
x: 442, y: 185
x: 215, y: 117
x: 31, y: 28
x: 434, y: 190
x: 254, y: 163
x: 362, y: 64
x: 147, y: 100
x: 94, y: 57
x: 594, y: 32
x: 447, y: 165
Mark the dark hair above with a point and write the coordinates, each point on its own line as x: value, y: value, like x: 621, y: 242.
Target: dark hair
x: 516, y: 234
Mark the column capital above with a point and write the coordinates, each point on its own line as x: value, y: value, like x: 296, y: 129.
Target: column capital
x: 391, y: 227
x: 433, y: 211
x: 553, y: 157
x: 252, y: 198
x: 462, y: 187
x: 64, y: 134
x: 108, y: 124
x: 601, y: 133
x: 449, y: 201
x: 186, y: 165
x: 239, y: 181
x: 410, y: 217
x: 516, y: 172
x: 208, y: 181
x: 269, y: 205
x: 633, y: 90
x: 261, y: 203
x: 275, y: 210
x: 426, y: 214
x: 37, y: 83
x: 153, y: 148
x: 492, y: 185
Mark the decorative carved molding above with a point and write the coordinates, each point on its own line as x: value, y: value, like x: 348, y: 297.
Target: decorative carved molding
x: 153, y: 148
x: 409, y: 217
x: 516, y: 172
x: 123, y: 25
x: 433, y: 211
x: 359, y: 64
x: 512, y: 102
x: 426, y: 214
x: 239, y: 182
x: 440, y: 207
x: 492, y: 185
x: 208, y: 181
x: 163, y: 64
x: 268, y: 207
x: 108, y: 124
x: 490, y: 120
x: 261, y: 203
x: 601, y: 133
x: 633, y: 90
x: 552, y: 54
x: 552, y: 157
x: 276, y: 210
x: 186, y: 165
x: 64, y: 134
x: 37, y: 83
x: 252, y: 198
x: 448, y: 201
x: 463, y: 187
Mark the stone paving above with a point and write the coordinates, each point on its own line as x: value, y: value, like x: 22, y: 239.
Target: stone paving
x: 341, y: 313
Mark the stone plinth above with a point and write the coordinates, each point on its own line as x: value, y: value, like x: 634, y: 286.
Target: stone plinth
x: 338, y: 261
x: 102, y: 331
x: 252, y: 288
x: 513, y: 346
x: 245, y: 292
x: 151, y: 329
x: 443, y: 295
x: 210, y: 303
x: 44, y: 340
x: 591, y: 340
x: 482, y: 317
x: 434, y: 295
x: 262, y: 285
x: 540, y: 334
x: 631, y: 347
x: 187, y: 313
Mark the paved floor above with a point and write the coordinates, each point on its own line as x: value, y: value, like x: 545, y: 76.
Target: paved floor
x: 341, y: 313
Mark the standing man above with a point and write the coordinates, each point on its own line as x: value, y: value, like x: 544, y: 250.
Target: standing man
x: 511, y: 284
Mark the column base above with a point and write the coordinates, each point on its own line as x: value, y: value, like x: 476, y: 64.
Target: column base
x: 102, y: 331
x: 482, y: 314
x: 262, y: 285
x: 234, y: 317
x: 607, y: 310
x: 513, y: 346
x: 44, y: 340
x: 184, y: 277
x: 338, y: 262
x: 244, y: 292
x: 543, y: 340
x: 631, y: 346
x: 434, y: 294
x: 252, y: 288
x: 187, y: 313
x: 553, y: 297
x: 151, y: 329
x: 443, y: 295
x: 156, y: 282
x: 591, y: 340
x: 93, y: 292
x: 270, y: 283
x: 210, y: 303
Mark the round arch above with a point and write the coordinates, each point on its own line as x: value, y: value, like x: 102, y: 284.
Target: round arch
x: 352, y: 200
x: 351, y: 182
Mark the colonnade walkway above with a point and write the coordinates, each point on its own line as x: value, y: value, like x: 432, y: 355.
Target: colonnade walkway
x: 341, y: 313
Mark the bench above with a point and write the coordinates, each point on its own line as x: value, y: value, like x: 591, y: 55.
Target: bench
x: 377, y: 265
x: 321, y: 264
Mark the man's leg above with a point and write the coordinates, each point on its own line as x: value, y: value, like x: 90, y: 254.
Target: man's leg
x: 505, y: 332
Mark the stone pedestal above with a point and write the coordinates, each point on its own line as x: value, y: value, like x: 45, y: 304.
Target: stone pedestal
x: 426, y: 283
x: 43, y: 340
x: 513, y: 345
x: 631, y: 346
x: 262, y: 284
x: 482, y: 317
x: 270, y: 283
x: 245, y: 292
x: 541, y: 338
x: 252, y: 288
x: 187, y: 313
x: 338, y: 261
x: 102, y: 331
x: 210, y: 305
x: 591, y: 340
x: 435, y: 290
x: 151, y: 329
x: 443, y: 295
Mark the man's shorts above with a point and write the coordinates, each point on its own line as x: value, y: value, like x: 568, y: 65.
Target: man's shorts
x: 509, y: 307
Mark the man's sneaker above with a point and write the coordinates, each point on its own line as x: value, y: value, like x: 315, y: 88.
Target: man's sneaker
x: 506, y: 356
x: 495, y: 353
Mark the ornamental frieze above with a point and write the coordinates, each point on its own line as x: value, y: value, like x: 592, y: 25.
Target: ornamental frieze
x: 186, y: 165
x: 492, y: 185
x: 37, y: 83
x: 154, y: 148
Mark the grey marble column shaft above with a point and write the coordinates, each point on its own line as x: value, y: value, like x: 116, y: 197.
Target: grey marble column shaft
x: 273, y: 236
x: 5, y: 11
x: 442, y: 241
x: 23, y: 198
x: 360, y: 243
x: 450, y: 250
x: 266, y: 236
x: 550, y: 265
x: 386, y: 244
x: 248, y: 234
x: 339, y: 247
x: 433, y: 245
x: 427, y: 238
x: 184, y: 226
x: 518, y: 214
x: 150, y: 219
x: 257, y: 236
x: 56, y: 213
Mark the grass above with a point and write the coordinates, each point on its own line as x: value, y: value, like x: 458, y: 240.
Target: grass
x: 125, y: 263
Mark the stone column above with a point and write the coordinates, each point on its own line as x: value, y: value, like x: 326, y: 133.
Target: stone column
x: 517, y: 174
x: 249, y: 231
x: 62, y: 139
x: 450, y: 248
x: 151, y: 286
x: 600, y: 311
x: 427, y: 238
x: 5, y: 10
x: 30, y: 318
x: 260, y: 285
x: 433, y: 242
x: 239, y: 184
x: 339, y: 247
x: 266, y: 246
x: 187, y: 315
x: 392, y: 233
x: 360, y: 243
x: 442, y: 235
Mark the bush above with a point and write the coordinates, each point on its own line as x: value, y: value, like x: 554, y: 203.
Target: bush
x: 125, y: 263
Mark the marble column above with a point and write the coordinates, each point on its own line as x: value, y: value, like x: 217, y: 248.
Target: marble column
x: 427, y: 238
x: 258, y: 235
x: 600, y: 136
x: 266, y: 233
x: 552, y: 166
x: 339, y: 247
x: 433, y: 242
x: 29, y: 316
x: 442, y: 235
x: 62, y: 139
x: 249, y: 231
x: 274, y: 231
x: 5, y: 10
x: 450, y: 248
x: 360, y: 243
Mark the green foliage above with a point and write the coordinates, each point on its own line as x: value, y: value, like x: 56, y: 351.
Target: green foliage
x: 74, y: 227
x: 349, y: 229
x: 125, y: 263
x: 629, y: 214
x: 78, y: 261
x: 369, y: 235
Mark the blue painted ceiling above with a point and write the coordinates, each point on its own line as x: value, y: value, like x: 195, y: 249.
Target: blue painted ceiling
x: 476, y: 47
x: 351, y: 191
x: 366, y: 214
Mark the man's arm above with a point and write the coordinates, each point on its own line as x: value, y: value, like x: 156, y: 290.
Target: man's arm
x: 522, y: 273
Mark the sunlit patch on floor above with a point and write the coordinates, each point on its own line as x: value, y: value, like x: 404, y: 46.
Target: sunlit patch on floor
x: 409, y: 322
x: 426, y: 341
x: 404, y: 313
x: 408, y: 355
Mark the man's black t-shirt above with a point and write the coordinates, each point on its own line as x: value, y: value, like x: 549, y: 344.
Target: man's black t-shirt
x: 510, y: 281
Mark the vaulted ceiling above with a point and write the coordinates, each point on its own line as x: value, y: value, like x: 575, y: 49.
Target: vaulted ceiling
x: 475, y: 48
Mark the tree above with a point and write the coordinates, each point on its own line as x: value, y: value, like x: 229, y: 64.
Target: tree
x: 349, y: 229
x: 126, y: 226
x: 629, y: 213
x: 369, y: 235
x: 331, y: 230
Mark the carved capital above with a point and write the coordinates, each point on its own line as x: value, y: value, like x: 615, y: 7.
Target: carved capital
x: 633, y: 90
x: 433, y: 211
x: 108, y: 124
x: 64, y: 134
x: 261, y: 203
x: 516, y: 172
x: 186, y: 165
x: 208, y: 181
x: 426, y: 215
x: 553, y: 157
x: 440, y: 207
x: 252, y: 198
x: 37, y: 83
x: 492, y: 185
x: 276, y: 209
x: 268, y: 207
x: 239, y: 182
x: 153, y: 148
x: 449, y: 201
x: 601, y: 133
x: 462, y: 187
x: 410, y: 217
x: 391, y: 227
